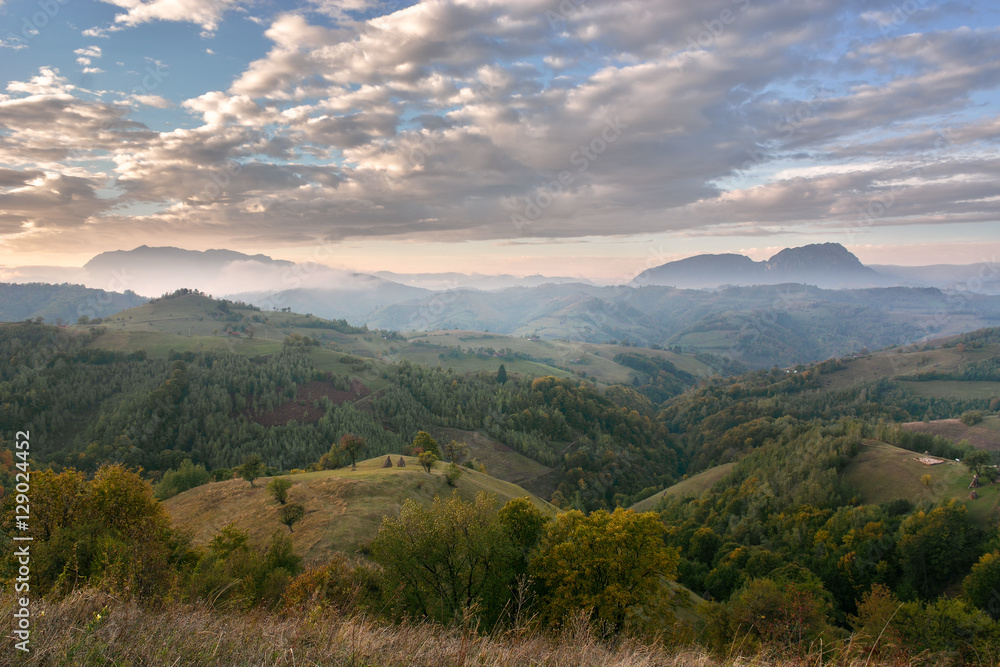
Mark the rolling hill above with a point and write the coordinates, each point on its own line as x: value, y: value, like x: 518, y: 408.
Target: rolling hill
x: 195, y: 322
x: 879, y: 473
x: 984, y: 435
x: 694, y: 485
x: 58, y: 304
x: 760, y: 325
x: 344, y: 507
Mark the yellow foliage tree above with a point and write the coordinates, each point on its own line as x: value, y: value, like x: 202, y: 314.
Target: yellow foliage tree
x: 613, y: 565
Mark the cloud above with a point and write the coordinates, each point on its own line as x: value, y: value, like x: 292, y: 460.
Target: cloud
x: 89, y: 51
x: 205, y: 13
x: 478, y: 119
x: 155, y: 101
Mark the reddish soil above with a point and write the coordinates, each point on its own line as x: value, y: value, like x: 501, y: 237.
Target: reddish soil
x: 301, y: 408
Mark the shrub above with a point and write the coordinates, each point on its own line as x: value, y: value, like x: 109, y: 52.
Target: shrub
x: 783, y: 617
x: 291, y: 514
x: 452, y: 474
x: 972, y: 417
x: 340, y: 584
x: 278, y: 488
x: 187, y: 476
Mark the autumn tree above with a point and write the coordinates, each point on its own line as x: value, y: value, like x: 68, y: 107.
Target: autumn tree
x: 524, y: 524
x: 278, y: 488
x: 452, y: 473
x: 456, y: 452
x: 423, y: 442
x: 982, y: 586
x: 447, y: 558
x: 109, y: 530
x: 780, y: 615
x: 936, y: 544
x: 353, y: 446
x: 427, y: 460
x: 613, y: 565
x: 252, y: 468
x: 291, y: 514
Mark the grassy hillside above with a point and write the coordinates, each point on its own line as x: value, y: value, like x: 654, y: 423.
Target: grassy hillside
x: 503, y: 462
x: 984, y: 435
x: 910, y: 362
x: 344, y: 507
x: 880, y: 473
x: 194, y: 322
x: 692, y: 486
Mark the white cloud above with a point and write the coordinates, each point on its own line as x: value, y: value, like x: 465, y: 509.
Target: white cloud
x: 155, y: 101
x: 89, y: 51
x: 205, y: 13
x: 443, y: 119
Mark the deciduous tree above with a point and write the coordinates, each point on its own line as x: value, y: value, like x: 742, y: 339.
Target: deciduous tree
x: 291, y: 514
x: 353, y: 446
x: 252, y: 468
x: 448, y: 557
x: 278, y: 488
x: 613, y: 565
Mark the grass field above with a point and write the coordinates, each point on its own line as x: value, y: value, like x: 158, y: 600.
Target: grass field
x: 954, y: 389
x: 593, y: 359
x: 902, y: 362
x: 501, y: 461
x: 692, y: 486
x: 344, y: 507
x: 881, y: 473
x: 984, y: 435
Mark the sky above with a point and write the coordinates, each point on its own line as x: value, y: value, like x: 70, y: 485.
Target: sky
x: 579, y: 138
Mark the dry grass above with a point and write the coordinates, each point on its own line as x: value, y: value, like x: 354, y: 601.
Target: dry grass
x: 344, y: 507
x: 93, y: 628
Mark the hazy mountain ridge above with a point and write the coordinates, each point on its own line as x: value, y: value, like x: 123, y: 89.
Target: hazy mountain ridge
x: 761, y: 325
x: 453, y: 280
x: 829, y: 265
x: 60, y: 303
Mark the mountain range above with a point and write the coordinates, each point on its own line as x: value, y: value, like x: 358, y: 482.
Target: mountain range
x: 802, y: 304
x: 828, y: 265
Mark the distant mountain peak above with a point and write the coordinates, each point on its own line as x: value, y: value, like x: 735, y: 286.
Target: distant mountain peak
x: 823, y: 264
x: 174, y: 254
x: 827, y: 256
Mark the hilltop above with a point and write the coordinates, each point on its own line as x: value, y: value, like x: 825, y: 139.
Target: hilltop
x: 344, y: 507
